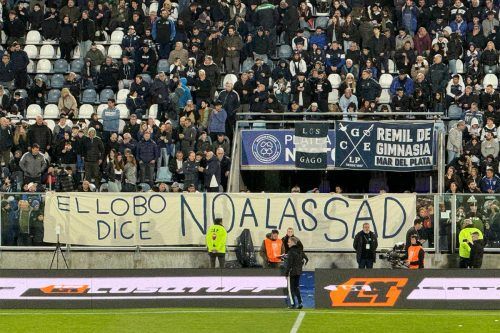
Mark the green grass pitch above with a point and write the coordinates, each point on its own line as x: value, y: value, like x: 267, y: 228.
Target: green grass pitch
x: 247, y: 321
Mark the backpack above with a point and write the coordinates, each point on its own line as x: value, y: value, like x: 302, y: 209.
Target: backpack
x: 245, y: 252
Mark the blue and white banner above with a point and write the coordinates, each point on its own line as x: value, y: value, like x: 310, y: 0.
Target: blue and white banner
x: 384, y: 146
x: 263, y: 149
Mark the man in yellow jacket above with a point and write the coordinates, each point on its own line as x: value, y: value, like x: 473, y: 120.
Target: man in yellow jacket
x: 465, y: 239
x: 216, y: 243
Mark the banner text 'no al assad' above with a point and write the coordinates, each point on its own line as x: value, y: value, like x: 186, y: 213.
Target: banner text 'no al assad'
x: 321, y: 221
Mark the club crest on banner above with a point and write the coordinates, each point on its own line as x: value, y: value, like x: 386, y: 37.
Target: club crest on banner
x: 266, y: 148
x: 354, y: 141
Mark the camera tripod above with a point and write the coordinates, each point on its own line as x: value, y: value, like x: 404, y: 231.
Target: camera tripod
x: 58, y: 251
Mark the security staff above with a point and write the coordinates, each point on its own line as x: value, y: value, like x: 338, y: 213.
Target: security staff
x: 365, y: 244
x: 465, y: 239
x: 416, y: 254
x: 296, y: 258
x: 272, y: 250
x: 216, y: 243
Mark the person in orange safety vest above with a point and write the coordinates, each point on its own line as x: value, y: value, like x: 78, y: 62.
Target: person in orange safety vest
x: 415, y: 254
x: 272, y: 250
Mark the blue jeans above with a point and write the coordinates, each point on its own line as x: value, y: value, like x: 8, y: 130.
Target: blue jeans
x: 365, y: 263
x: 452, y: 155
x: 452, y: 66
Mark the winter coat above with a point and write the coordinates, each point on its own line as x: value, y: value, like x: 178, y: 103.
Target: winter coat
x: 212, y: 169
x: 33, y: 165
x: 147, y: 151
x: 93, y: 149
x: 232, y: 41
x: 41, y: 135
x: 111, y: 120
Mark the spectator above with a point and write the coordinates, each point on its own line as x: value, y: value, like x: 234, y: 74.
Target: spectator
x: 135, y: 104
x: 32, y: 164
x: 93, y: 156
x: 6, y: 141
x: 147, y: 154
x: 368, y: 88
x: 211, y: 172
x: 190, y: 170
x: 454, y: 144
x: 490, y: 182
x: 86, y: 33
x: 225, y: 166
x: 164, y: 33
x: 217, y: 121
x: 232, y: 44
x: 67, y: 104
x: 110, y: 119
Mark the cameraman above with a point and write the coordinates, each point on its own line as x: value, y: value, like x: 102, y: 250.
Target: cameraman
x: 415, y: 254
x: 416, y: 231
x: 365, y: 244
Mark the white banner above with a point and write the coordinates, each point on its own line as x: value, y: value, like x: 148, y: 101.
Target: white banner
x: 321, y: 221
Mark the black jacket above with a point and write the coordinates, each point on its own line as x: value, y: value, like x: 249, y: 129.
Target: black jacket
x: 476, y: 254
x: 295, y: 261
x: 212, y: 169
x: 67, y: 34
x: 360, y: 241
x: 40, y: 134
x: 93, y: 149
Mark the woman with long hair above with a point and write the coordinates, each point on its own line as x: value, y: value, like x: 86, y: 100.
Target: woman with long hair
x: 129, y: 174
x: 489, y: 59
x: 349, y: 82
x: 114, y: 170
x: 349, y: 32
x: 67, y: 104
x: 20, y: 139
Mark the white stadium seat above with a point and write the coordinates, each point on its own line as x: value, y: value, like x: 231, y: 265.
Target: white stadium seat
x: 229, y: 78
x: 385, y: 98
x: 33, y: 37
x: 100, y: 109
x: 51, y: 111
x: 490, y: 79
x: 385, y: 81
x: 123, y: 111
x: 76, y: 52
x: 333, y: 97
x: 44, y: 66
x: 47, y: 52
x: 31, y: 51
x: 102, y: 49
x: 153, y: 8
x: 460, y: 66
x: 117, y: 37
x: 121, y: 96
x: 33, y: 111
x: 85, y: 111
x: 335, y: 80
x: 153, y: 111
x: 31, y: 67
x: 115, y: 51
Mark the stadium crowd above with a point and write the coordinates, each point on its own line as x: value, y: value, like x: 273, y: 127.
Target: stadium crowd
x: 111, y: 95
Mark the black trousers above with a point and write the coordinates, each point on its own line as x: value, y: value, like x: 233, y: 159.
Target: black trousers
x: 464, y: 262
x: 294, y: 290
x: 214, y: 256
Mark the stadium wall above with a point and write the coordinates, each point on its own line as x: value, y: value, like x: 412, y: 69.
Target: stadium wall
x: 195, y: 259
